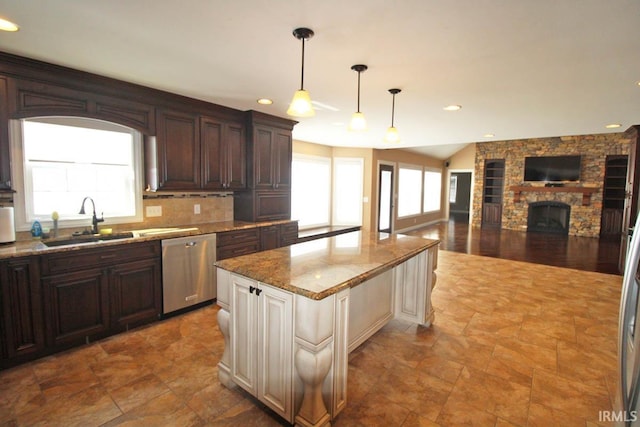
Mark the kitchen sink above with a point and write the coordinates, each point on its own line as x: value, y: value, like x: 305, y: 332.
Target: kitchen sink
x: 92, y: 238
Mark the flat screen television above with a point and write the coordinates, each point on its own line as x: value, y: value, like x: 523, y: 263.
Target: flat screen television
x: 552, y: 168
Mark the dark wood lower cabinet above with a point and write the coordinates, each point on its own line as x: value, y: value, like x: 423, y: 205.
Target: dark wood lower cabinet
x: 289, y: 233
x: 77, y: 307
x: 136, y: 297
x: 21, y: 323
x: 97, y: 292
x: 269, y: 237
x: 234, y: 243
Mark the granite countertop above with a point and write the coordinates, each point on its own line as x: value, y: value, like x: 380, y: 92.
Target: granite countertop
x: 319, y: 268
x: 37, y: 247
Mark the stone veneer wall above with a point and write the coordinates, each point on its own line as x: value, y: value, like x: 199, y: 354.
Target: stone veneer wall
x: 585, y: 220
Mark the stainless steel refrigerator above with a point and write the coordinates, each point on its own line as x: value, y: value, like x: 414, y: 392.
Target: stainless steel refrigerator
x: 629, y: 338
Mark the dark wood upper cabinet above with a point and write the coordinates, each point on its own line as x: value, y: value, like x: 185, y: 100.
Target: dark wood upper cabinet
x: 269, y: 152
x: 35, y: 98
x: 178, y: 150
x: 5, y: 160
x: 199, y: 152
x: 272, y: 148
x: 223, y: 154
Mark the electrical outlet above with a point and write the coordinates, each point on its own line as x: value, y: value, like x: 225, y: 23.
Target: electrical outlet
x: 196, y: 209
x: 154, y: 211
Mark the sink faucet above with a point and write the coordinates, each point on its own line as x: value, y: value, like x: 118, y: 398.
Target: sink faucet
x: 95, y: 220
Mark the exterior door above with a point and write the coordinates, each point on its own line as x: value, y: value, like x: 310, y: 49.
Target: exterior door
x: 459, y: 195
x: 385, y: 198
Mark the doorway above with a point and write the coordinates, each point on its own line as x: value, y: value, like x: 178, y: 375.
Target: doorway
x: 385, y: 198
x: 459, y: 196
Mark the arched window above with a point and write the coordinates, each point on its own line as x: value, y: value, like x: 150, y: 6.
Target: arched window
x: 58, y: 161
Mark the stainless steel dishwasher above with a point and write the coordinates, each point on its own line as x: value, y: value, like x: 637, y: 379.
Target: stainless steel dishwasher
x: 188, y: 273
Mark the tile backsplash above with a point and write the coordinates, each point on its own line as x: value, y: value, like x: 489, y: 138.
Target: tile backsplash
x: 180, y: 209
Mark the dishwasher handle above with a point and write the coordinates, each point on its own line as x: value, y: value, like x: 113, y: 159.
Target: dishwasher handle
x: 190, y: 244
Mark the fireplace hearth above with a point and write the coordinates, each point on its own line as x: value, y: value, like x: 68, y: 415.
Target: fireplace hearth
x: 548, y: 217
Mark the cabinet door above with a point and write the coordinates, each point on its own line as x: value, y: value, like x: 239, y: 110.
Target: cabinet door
x: 410, y: 279
x: 135, y: 293
x: 5, y: 160
x: 213, y: 155
x: 21, y: 307
x: 244, y: 317
x: 236, y: 156
x: 77, y: 306
x: 282, y: 157
x: 224, y: 150
x: 272, y: 205
x: 263, y: 162
x: 178, y: 145
x: 275, y: 349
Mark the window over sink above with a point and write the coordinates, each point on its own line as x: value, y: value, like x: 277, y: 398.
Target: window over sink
x: 61, y: 160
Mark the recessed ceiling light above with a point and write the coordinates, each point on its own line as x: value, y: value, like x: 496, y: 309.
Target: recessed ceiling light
x: 489, y: 135
x: 613, y: 125
x: 265, y: 101
x: 452, y: 107
x: 8, y: 25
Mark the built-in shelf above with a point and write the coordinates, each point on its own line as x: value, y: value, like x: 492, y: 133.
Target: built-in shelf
x: 586, y: 191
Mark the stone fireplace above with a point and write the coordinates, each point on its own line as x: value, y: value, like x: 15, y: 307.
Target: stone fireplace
x: 548, y: 217
x: 584, y: 197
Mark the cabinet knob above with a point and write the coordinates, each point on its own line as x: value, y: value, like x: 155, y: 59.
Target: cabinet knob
x: 258, y: 291
x: 251, y: 289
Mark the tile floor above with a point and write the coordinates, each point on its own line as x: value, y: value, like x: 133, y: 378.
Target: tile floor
x: 513, y: 344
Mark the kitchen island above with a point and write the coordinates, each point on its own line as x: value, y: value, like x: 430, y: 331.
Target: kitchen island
x: 290, y: 316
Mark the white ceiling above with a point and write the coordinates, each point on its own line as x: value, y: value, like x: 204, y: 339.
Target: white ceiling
x: 519, y: 68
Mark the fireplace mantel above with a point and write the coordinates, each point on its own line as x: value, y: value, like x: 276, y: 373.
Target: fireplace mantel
x: 586, y: 191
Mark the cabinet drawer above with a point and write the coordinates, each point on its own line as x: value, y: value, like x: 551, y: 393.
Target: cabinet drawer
x: 64, y: 262
x: 227, y: 238
x: 237, y: 250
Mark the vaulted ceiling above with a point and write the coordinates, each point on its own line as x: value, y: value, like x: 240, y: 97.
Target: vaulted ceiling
x: 518, y: 68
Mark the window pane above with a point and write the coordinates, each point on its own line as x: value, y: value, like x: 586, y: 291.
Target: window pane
x: 347, y: 193
x: 67, y: 159
x: 310, y: 190
x: 453, y: 189
x: 432, y: 191
x: 409, y: 191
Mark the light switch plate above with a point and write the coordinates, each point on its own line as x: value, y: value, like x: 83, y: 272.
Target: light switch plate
x: 154, y: 211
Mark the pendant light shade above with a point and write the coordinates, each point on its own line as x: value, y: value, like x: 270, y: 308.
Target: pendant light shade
x: 392, y: 134
x: 301, y: 103
x: 358, y: 122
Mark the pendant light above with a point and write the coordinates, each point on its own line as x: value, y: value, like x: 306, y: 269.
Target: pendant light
x: 358, y: 122
x: 392, y: 133
x: 301, y: 103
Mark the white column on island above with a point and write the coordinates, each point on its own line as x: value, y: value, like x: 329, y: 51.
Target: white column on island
x: 321, y: 357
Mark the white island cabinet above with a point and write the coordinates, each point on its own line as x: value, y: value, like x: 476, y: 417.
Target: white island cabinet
x: 291, y: 316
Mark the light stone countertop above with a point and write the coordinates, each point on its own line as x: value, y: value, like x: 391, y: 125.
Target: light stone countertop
x: 322, y: 267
